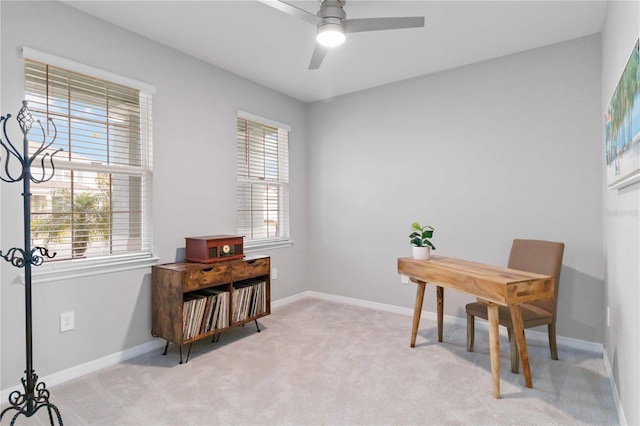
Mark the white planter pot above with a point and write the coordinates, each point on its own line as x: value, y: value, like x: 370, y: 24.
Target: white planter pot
x: 421, y: 253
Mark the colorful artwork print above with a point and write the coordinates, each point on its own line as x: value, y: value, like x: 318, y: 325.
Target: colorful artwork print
x: 622, y: 126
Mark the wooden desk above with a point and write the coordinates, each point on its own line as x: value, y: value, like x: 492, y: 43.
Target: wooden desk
x: 493, y: 285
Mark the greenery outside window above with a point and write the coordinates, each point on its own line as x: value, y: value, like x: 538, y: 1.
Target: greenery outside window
x: 97, y: 204
x: 263, y: 180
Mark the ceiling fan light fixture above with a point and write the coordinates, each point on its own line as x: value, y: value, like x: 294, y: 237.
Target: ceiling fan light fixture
x: 330, y: 34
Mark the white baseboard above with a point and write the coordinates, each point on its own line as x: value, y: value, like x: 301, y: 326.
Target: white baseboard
x: 532, y: 335
x: 113, y: 359
x: 91, y: 366
x: 109, y: 360
x: 277, y: 304
x: 614, y: 389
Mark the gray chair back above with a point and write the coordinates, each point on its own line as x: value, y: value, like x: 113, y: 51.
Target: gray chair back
x: 540, y: 257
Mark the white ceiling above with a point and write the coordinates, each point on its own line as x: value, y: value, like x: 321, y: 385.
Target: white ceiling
x: 269, y: 47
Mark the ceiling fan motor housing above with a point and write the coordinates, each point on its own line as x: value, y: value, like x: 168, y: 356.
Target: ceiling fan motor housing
x: 331, y: 13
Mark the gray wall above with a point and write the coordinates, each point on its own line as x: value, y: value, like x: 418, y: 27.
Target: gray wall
x: 621, y: 230
x: 503, y: 149
x: 194, y: 183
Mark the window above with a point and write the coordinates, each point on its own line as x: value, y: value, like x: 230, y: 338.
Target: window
x: 97, y: 204
x: 263, y: 180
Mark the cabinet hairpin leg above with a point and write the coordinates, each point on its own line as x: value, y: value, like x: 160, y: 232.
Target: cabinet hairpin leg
x: 188, y: 353
x: 257, y: 326
x: 216, y: 338
x: 165, y: 348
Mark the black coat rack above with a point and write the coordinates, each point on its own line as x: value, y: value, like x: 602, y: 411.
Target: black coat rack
x: 36, y: 395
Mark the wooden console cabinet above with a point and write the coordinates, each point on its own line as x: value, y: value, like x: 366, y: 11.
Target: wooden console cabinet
x: 193, y: 301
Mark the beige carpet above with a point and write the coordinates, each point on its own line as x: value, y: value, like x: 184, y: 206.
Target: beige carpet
x: 320, y: 362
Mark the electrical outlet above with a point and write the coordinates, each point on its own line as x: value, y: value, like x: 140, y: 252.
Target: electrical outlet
x: 404, y: 279
x: 274, y: 273
x: 67, y: 321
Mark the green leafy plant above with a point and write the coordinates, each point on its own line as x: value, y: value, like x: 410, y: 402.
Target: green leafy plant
x: 89, y: 213
x: 421, y: 234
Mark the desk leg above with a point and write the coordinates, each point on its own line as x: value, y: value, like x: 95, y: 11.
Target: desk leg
x: 494, y: 347
x: 518, y: 333
x: 417, y: 310
x: 440, y: 297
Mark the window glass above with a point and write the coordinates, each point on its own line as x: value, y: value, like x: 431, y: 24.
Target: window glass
x: 97, y: 203
x: 263, y: 181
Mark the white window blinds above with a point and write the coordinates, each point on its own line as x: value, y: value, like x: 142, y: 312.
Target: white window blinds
x: 98, y: 203
x: 263, y: 181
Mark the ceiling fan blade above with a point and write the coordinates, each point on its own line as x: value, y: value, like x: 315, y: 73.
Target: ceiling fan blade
x: 292, y: 10
x: 378, y: 24
x: 319, y: 53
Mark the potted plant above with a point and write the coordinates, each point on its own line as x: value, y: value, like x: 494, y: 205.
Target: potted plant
x: 420, y: 240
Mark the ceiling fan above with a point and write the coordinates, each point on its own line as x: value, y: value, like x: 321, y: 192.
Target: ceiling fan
x: 332, y: 24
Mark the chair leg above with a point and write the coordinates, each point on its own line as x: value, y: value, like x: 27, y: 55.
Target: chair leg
x: 515, y: 357
x: 552, y: 341
x: 470, y: 332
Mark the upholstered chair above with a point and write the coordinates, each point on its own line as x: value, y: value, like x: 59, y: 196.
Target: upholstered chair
x: 541, y: 257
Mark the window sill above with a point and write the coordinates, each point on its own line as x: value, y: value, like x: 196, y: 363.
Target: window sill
x: 256, y: 246
x: 64, y: 270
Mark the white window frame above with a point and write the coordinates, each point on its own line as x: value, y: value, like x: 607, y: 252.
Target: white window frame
x: 76, y: 268
x: 277, y: 242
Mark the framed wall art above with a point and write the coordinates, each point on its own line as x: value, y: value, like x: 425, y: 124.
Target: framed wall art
x: 622, y: 126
